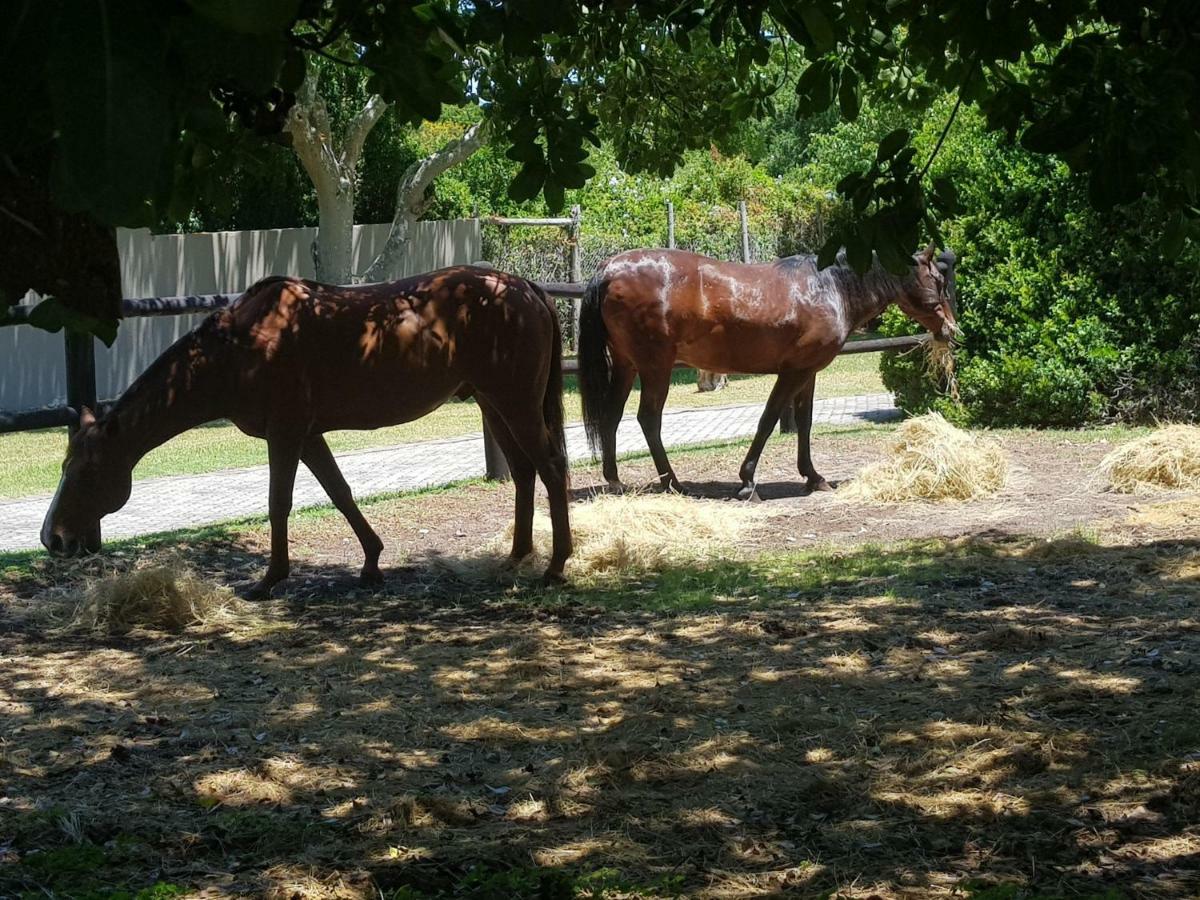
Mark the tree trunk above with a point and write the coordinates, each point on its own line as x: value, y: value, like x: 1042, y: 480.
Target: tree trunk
x: 332, y: 166
x: 710, y: 381
x: 411, y: 199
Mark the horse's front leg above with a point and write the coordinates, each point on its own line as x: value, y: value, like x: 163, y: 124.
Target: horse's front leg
x: 321, y: 462
x: 283, y: 455
x: 781, y: 393
x: 804, y: 414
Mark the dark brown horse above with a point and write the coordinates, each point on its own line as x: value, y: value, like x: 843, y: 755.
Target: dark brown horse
x: 291, y: 359
x: 648, y: 309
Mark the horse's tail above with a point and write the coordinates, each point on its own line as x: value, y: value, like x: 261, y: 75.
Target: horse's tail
x: 552, y: 400
x: 595, y: 362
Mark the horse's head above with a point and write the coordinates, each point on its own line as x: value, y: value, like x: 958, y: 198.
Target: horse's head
x: 929, y: 293
x: 96, y: 480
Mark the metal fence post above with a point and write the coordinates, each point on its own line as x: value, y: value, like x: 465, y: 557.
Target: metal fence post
x: 745, y: 231
x: 670, y: 225
x: 576, y: 272
x: 81, y: 372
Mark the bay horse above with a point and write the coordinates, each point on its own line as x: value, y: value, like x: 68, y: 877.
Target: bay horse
x: 646, y: 310
x: 291, y: 359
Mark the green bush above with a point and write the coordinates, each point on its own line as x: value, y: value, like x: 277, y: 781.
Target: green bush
x: 1068, y: 316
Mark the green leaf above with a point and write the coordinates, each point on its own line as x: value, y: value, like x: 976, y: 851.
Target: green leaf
x: 527, y: 183
x: 818, y: 26
x: 555, y: 197
x: 1174, y: 236
x: 829, y: 251
x: 891, y: 144
x: 53, y: 315
x: 849, y: 94
x: 858, y: 251
x: 249, y: 16
x: 109, y: 79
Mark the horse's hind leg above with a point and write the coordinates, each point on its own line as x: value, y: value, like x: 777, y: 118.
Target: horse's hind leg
x: 524, y: 476
x: 782, y: 393
x: 532, y: 437
x: 655, y: 385
x: 320, y: 461
x: 621, y: 384
x: 804, y: 415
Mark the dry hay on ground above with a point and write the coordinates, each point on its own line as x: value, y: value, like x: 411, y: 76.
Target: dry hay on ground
x: 630, y: 534
x: 163, y: 595
x: 1167, y: 458
x: 933, y: 460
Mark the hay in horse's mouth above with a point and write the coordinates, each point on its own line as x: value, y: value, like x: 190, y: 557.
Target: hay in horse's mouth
x: 939, y: 365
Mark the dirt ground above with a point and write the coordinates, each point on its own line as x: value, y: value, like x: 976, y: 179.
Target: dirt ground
x: 866, y: 701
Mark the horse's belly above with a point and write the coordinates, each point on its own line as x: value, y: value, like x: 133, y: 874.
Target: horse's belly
x: 377, y: 400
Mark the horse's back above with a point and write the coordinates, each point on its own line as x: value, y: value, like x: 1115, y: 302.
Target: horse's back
x: 667, y: 306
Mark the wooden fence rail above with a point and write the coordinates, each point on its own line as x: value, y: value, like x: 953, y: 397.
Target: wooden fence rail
x: 81, y: 362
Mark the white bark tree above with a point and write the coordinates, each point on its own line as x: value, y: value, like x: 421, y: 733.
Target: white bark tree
x: 331, y: 162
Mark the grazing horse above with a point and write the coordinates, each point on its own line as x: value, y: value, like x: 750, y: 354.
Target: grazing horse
x: 292, y: 359
x: 646, y: 310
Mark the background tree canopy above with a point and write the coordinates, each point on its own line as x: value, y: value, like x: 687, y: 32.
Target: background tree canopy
x: 123, y: 113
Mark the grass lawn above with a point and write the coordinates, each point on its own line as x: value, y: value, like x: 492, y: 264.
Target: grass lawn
x: 30, y: 461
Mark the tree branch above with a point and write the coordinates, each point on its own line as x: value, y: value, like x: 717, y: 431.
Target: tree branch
x: 410, y: 194
x: 358, y: 129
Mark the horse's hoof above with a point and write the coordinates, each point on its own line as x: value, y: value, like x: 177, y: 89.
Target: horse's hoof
x: 259, y: 591
x: 749, y: 492
x: 615, y: 487
x: 372, y: 578
x: 553, y: 577
x: 819, y: 484
x: 513, y: 561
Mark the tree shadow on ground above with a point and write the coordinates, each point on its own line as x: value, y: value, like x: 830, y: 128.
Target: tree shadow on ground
x: 897, y: 720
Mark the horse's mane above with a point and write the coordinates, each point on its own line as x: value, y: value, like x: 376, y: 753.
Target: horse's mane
x: 876, y: 280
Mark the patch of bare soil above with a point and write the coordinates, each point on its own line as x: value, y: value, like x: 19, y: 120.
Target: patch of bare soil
x: 896, y: 721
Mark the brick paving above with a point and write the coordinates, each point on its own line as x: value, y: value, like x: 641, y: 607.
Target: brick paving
x: 184, y: 501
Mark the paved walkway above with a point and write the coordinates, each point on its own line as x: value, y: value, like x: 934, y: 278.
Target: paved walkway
x: 184, y: 501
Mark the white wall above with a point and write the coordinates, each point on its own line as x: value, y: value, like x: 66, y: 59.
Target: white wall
x: 32, y: 372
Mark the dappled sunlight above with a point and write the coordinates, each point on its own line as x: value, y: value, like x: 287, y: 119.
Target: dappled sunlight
x: 816, y: 732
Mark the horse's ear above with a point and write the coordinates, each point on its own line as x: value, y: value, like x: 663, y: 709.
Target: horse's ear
x: 87, y: 418
x: 929, y: 252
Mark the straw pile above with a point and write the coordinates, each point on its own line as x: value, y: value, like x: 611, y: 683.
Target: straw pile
x: 933, y: 460
x: 1166, y: 458
x: 163, y: 596
x: 631, y: 534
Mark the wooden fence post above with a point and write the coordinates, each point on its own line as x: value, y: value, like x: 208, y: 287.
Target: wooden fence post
x: 495, y: 466
x: 670, y: 225
x: 80, y: 350
x: 745, y: 231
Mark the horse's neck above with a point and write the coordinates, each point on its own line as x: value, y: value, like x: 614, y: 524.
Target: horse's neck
x: 866, y: 297
x: 183, y: 388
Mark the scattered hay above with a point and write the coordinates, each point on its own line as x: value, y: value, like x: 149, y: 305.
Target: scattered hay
x: 630, y: 534
x: 933, y: 460
x: 164, y: 596
x: 1167, y: 458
